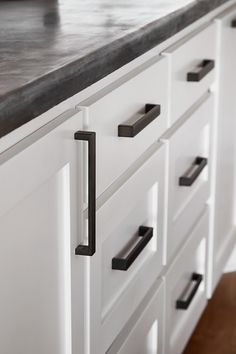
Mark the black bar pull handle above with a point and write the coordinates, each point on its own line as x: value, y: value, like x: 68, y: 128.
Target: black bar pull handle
x: 124, y: 263
x: 152, y: 111
x: 201, y: 70
x: 193, y: 172
x: 184, y: 304
x: 90, y: 137
x: 233, y: 23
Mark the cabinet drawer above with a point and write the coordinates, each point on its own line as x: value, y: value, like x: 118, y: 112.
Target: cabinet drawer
x: 188, y: 166
x: 130, y: 242
x: 185, y: 288
x: 134, y: 101
x: 147, y: 332
x: 192, y: 69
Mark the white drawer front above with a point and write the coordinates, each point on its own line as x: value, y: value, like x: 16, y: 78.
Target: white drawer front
x: 186, y: 57
x: 188, y: 165
x: 139, y: 202
x: 147, y: 335
x: 183, y: 280
x: 124, y: 103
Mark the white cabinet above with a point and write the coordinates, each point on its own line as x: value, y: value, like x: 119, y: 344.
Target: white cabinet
x: 41, y: 298
x: 191, y: 64
x: 224, y: 232
x: 189, y: 162
x: 186, y: 288
x: 130, y: 234
x: 127, y: 116
x: 96, y: 260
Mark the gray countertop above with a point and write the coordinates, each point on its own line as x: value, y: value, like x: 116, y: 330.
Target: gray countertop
x: 50, y: 50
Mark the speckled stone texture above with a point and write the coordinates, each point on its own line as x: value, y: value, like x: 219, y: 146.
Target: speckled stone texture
x: 50, y: 50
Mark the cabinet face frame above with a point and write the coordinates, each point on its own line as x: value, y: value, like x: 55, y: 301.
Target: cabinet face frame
x: 43, y: 178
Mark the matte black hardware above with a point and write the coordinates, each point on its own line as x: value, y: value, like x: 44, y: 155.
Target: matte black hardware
x: 233, y: 23
x: 152, y: 111
x: 193, y: 172
x: 125, y: 263
x: 90, y: 137
x: 201, y: 71
x: 184, y: 304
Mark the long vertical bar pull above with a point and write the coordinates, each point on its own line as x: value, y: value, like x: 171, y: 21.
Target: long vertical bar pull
x: 90, y: 249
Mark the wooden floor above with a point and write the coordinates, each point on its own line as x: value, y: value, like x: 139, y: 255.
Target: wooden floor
x: 216, y: 331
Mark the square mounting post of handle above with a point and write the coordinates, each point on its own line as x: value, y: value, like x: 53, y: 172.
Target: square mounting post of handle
x: 90, y: 137
x: 152, y: 111
x: 120, y: 263
x: 233, y: 23
x: 198, y: 73
x: 196, y: 279
x: 193, y: 172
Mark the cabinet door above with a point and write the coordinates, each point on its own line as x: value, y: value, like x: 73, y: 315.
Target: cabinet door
x: 41, y: 278
x: 224, y: 218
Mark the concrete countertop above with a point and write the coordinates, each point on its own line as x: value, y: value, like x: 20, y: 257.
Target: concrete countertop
x: 50, y: 50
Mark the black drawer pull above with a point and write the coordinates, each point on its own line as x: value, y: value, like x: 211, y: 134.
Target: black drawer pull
x: 233, y: 23
x: 125, y: 263
x: 201, y: 71
x: 193, y: 172
x: 184, y: 304
x: 152, y: 111
x: 90, y: 137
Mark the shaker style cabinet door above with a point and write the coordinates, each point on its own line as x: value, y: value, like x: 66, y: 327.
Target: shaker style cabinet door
x: 40, y: 276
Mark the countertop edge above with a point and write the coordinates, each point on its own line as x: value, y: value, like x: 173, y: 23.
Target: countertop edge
x: 22, y: 105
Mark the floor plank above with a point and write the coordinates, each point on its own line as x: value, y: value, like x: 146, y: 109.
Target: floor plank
x: 216, y: 331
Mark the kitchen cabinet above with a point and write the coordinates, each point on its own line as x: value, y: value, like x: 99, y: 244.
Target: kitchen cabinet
x: 224, y: 232
x: 117, y: 216
x: 41, y: 279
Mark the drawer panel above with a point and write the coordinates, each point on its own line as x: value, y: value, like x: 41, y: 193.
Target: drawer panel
x: 188, y: 166
x: 138, y: 203
x: 194, y: 55
x: 124, y: 103
x: 147, y: 331
x: 185, y: 288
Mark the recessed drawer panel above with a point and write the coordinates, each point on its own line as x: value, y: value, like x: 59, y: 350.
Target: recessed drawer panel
x: 192, y: 62
x: 130, y: 243
x: 186, y: 289
x: 128, y: 116
x: 146, y: 335
x: 188, y: 166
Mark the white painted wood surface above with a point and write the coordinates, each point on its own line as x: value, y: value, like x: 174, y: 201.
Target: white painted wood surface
x: 224, y: 231
x: 120, y: 102
x: 114, y: 294
x: 147, y: 334
x: 180, y: 323
x: 41, y: 298
x: 185, y: 143
x: 184, y: 56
